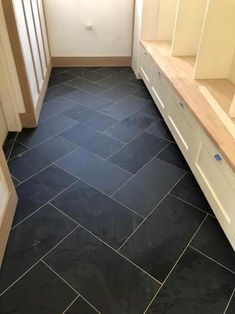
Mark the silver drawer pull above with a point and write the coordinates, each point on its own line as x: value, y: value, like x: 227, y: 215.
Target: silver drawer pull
x: 145, y: 53
x: 181, y: 104
x: 218, y: 157
x: 159, y: 73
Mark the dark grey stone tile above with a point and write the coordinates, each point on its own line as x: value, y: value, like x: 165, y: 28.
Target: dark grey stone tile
x: 189, y: 191
x: 144, y: 93
x: 38, y: 190
x: 138, y: 152
x: 8, y: 144
x: 104, y: 217
x: 107, y: 280
x: 197, y: 285
x: 31, y: 240
x: 159, y: 242
x: 46, y: 129
x: 120, y: 91
x: 137, y: 82
x: 60, y: 78
x: 116, y: 79
x: 146, y: 189
x: 125, y: 107
x: 212, y: 241
x: 60, y: 70
x: 40, y: 291
x: 17, y: 150
x: 131, y: 127
x: 91, y: 118
x: 80, y: 306
x: 40, y: 157
x: 231, y: 307
x: 109, y: 70
x: 95, y: 171
x: 173, y: 155
x: 15, y: 181
x: 57, y: 91
x: 160, y: 129
x: 89, y: 100
x: 92, y: 140
x: 57, y: 106
x: 151, y: 109
x: 87, y: 74
x: 87, y: 86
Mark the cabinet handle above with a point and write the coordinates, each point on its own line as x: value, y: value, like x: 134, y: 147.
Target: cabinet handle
x: 181, y: 104
x: 159, y: 73
x: 145, y: 53
x: 218, y: 157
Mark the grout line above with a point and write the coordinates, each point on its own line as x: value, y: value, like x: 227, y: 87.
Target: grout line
x: 201, y: 210
x: 12, y: 147
x: 48, y: 202
x: 59, y: 210
x: 229, y: 301
x: 117, y: 252
x: 150, y: 213
x: 41, y: 260
x: 177, y: 261
x: 19, y: 278
x: 218, y: 263
x: 68, y: 307
x: 92, y: 186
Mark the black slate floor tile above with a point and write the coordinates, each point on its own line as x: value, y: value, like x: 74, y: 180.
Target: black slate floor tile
x: 125, y: 107
x: 8, y: 144
x: 189, y: 191
x: 57, y: 106
x: 57, y: 91
x: 160, y: 129
x: 87, y: 86
x: 146, y: 189
x: 131, y: 127
x: 144, y: 93
x: 40, y: 157
x: 60, y: 78
x: 120, y: 91
x: 104, y: 217
x: 15, y: 181
x: 95, y: 171
x: 17, y: 150
x: 87, y: 74
x: 47, y: 129
x: 116, y: 79
x: 89, y: 100
x: 92, y: 140
x: 138, y: 82
x: 109, y: 70
x: 173, y: 155
x: 60, y: 70
x: 197, y: 285
x: 38, y: 190
x: 107, y: 280
x: 138, y: 152
x: 80, y: 306
x: 212, y: 241
x: 40, y: 291
x: 91, y: 118
x: 159, y: 242
x: 31, y: 240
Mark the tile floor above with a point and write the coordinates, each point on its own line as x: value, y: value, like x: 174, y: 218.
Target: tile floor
x: 110, y: 219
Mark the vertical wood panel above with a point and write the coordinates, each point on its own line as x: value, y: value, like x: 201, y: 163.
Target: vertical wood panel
x: 39, y: 36
x: 26, y: 49
x: 44, y: 31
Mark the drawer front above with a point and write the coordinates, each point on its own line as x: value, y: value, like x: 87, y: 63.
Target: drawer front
x: 182, y: 124
x: 218, y: 183
x: 145, y: 66
x: 160, y: 89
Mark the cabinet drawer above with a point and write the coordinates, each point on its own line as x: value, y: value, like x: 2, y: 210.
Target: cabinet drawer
x: 145, y: 66
x: 218, y: 183
x: 160, y: 89
x: 181, y: 123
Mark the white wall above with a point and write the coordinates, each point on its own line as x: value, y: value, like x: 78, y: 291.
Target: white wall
x: 112, y: 22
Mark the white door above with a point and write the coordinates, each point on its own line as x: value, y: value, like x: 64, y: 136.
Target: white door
x: 3, y: 127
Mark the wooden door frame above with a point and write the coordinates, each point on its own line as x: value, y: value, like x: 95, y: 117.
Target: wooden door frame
x: 7, y: 216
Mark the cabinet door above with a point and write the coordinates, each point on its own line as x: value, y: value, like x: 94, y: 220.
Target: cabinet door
x: 145, y: 66
x: 218, y: 183
x: 8, y: 201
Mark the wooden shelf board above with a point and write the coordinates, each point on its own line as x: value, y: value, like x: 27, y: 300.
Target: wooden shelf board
x: 179, y: 71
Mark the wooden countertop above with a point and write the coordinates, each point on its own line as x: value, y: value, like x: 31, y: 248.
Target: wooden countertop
x: 179, y: 71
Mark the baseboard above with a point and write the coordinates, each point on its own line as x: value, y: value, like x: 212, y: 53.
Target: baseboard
x: 90, y: 61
